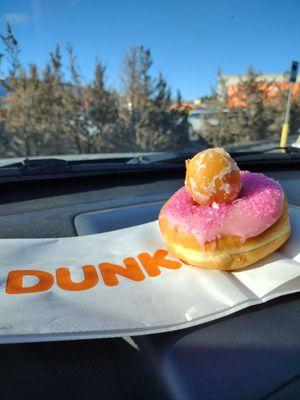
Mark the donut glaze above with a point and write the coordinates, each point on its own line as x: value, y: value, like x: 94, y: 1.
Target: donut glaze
x: 258, y: 207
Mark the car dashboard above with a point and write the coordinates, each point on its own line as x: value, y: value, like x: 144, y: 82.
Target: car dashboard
x: 252, y: 354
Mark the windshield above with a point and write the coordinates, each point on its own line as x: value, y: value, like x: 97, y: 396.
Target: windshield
x: 85, y: 77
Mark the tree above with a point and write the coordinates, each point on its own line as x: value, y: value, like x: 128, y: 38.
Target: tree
x: 170, y: 128
x: 221, y: 133
x: 23, y: 114
x: 102, y: 113
x: 149, y: 118
x: 10, y: 54
x: 75, y: 107
x: 43, y: 113
x: 137, y: 85
x: 38, y: 112
x: 254, y: 115
x: 245, y: 112
x: 11, y: 51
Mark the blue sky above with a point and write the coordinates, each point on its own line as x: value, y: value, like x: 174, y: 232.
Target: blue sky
x: 188, y: 39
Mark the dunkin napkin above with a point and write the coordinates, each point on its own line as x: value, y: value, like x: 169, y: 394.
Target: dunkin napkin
x: 125, y: 283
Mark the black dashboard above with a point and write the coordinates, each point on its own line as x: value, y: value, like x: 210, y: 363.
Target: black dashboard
x: 253, y: 354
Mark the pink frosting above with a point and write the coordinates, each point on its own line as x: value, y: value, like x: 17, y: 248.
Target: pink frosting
x: 258, y: 207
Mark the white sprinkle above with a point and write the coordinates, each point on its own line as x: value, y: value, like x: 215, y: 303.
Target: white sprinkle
x: 215, y: 205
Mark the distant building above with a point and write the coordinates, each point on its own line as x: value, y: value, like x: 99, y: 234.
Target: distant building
x: 272, y: 84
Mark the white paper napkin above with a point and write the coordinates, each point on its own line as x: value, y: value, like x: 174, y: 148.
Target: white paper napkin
x: 174, y: 299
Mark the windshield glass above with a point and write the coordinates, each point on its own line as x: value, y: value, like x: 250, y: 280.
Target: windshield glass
x: 88, y: 76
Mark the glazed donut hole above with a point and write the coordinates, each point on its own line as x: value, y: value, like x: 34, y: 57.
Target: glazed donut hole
x: 212, y: 177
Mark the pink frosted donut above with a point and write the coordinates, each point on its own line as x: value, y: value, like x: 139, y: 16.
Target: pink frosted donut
x: 227, y: 236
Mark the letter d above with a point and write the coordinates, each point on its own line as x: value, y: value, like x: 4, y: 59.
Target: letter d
x: 14, y: 283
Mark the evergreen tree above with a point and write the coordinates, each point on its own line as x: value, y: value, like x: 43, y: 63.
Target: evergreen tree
x: 138, y: 89
x: 170, y: 128
x: 102, y: 113
x: 149, y: 118
x: 75, y: 107
x: 54, y: 92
